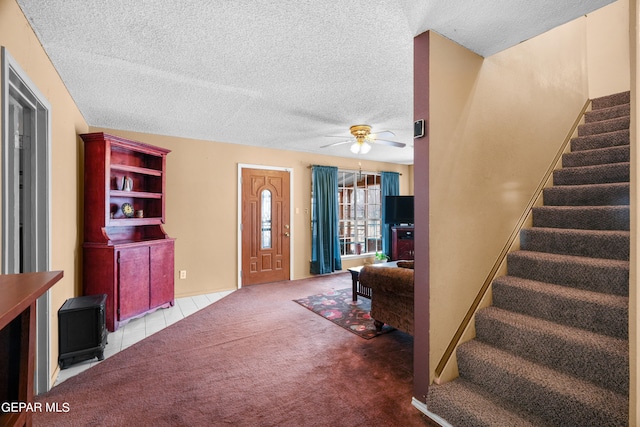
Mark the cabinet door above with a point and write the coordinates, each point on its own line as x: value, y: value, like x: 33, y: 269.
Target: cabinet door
x: 133, y: 281
x: 405, y: 249
x: 161, y: 287
x: 401, y: 243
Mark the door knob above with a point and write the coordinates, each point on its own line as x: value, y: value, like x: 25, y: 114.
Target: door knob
x: 286, y: 234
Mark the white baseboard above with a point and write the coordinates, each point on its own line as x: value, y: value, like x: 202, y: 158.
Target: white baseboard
x: 422, y: 407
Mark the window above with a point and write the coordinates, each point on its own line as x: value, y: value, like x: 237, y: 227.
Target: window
x: 359, y: 212
x: 265, y: 229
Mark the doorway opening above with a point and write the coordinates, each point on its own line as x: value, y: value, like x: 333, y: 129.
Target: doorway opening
x: 26, y: 136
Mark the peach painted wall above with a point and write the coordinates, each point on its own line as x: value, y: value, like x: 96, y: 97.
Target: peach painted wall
x: 496, y: 124
x: 16, y: 35
x: 202, y: 200
x: 608, y: 49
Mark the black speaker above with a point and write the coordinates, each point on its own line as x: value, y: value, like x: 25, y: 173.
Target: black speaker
x: 82, y: 329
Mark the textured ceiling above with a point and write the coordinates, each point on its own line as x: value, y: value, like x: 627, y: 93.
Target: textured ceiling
x: 281, y: 74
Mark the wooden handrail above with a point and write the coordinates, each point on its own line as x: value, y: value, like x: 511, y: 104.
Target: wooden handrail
x: 505, y: 250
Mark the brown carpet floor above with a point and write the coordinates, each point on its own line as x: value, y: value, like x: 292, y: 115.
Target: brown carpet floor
x: 254, y: 358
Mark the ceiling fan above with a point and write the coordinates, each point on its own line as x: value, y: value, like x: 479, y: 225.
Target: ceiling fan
x: 363, y: 138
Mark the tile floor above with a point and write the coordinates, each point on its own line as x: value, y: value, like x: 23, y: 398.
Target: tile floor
x: 140, y: 328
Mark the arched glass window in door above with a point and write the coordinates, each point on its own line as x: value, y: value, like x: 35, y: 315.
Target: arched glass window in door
x: 265, y: 209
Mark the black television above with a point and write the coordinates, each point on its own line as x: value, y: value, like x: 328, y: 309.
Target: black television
x: 398, y: 210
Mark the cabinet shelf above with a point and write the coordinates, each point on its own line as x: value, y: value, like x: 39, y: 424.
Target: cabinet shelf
x: 135, y: 194
x: 130, y: 222
x: 136, y: 169
x: 131, y: 260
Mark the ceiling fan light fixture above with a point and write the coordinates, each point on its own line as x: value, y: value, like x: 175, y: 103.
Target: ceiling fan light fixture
x: 360, y: 147
x: 363, y: 140
x: 361, y: 134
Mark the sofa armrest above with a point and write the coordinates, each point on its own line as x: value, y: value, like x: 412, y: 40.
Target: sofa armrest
x: 388, y: 279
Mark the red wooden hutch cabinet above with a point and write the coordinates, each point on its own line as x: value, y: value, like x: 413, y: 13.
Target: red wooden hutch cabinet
x: 126, y: 253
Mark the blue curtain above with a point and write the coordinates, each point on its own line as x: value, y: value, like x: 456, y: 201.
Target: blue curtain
x: 325, y: 240
x: 390, y: 183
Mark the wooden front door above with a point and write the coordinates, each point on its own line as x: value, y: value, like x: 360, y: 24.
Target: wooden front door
x: 265, y: 226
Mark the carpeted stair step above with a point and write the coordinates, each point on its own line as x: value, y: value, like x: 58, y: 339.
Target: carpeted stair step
x: 596, y: 174
x: 612, y: 244
x: 600, y: 359
x: 587, y: 195
x: 611, y: 100
x: 598, y: 156
x: 592, y: 311
x: 607, y: 113
x: 464, y: 404
x: 582, y: 217
x: 590, y: 142
x: 560, y: 399
x: 592, y: 274
x: 604, y: 126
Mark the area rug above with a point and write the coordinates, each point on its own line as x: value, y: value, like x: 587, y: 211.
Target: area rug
x: 338, y: 306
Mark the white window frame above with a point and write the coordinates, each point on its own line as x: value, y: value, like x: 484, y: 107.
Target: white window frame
x: 360, y: 219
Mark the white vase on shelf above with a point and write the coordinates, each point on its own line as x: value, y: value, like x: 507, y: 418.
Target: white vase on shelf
x: 127, y: 184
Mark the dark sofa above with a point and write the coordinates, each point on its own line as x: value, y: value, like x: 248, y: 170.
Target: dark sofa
x: 392, y: 295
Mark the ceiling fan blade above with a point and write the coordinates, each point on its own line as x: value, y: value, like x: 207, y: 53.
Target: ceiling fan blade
x: 390, y: 143
x: 382, y: 134
x: 337, y: 143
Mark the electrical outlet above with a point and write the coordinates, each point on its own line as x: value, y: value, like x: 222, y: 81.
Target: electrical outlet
x: 183, y: 274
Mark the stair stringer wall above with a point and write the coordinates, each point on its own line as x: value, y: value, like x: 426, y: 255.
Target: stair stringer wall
x: 450, y: 369
x: 553, y: 349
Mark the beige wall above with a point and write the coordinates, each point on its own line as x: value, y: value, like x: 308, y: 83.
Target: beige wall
x: 16, y: 35
x: 608, y: 49
x: 496, y: 124
x: 202, y: 200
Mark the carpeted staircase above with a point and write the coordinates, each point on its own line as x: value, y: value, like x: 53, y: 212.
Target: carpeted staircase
x: 553, y: 347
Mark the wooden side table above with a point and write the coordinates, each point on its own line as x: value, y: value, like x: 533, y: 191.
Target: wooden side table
x: 356, y: 287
